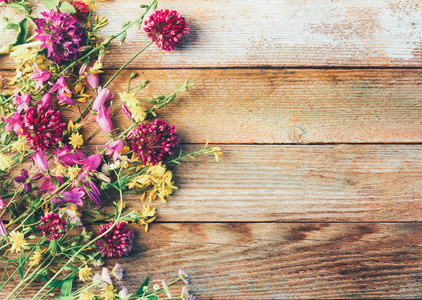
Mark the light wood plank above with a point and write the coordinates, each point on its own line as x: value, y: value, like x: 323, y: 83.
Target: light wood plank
x: 281, y: 261
x: 285, y: 106
x: 277, y: 33
x: 341, y: 183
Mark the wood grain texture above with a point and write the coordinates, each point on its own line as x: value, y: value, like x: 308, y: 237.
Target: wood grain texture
x: 281, y: 261
x: 284, y: 106
x: 361, y: 183
x: 276, y: 33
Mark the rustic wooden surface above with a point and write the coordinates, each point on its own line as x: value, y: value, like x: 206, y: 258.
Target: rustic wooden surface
x: 318, y: 194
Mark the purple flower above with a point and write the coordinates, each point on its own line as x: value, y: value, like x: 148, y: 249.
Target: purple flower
x: 2, y: 229
x: 14, y: 122
x: 48, y: 186
x: 24, y: 178
x: 53, y: 226
x: 21, y: 102
x: 93, y: 80
x: 127, y: 112
x: 114, y: 148
x: 1, y: 203
x: 103, y: 119
x: 61, y: 87
x: 92, y: 162
x: 40, y: 160
x: 153, y: 143
x: 67, y: 155
x: 60, y: 33
x: 102, y: 96
x: 94, y: 193
x: 46, y: 102
x: 39, y: 76
x: 73, y: 196
x: 117, y: 242
x: 166, y: 28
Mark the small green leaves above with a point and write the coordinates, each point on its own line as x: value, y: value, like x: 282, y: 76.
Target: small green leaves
x: 67, y: 7
x: 66, y: 290
x: 21, y: 264
x: 51, y: 4
x: 140, y: 292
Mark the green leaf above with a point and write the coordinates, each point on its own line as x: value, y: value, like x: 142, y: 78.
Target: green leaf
x: 140, y: 291
x: 55, y: 181
x: 53, y: 245
x: 17, y: 6
x: 67, y: 7
x: 22, y: 32
x: 51, y: 4
x: 56, y: 283
x: 66, y: 290
x: 21, y: 264
x: 152, y: 297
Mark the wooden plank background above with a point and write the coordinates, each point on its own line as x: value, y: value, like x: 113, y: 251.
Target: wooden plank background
x: 317, y: 107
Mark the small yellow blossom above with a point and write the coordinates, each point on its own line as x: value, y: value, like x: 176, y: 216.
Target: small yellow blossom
x: 60, y: 171
x: 80, y: 95
x: 108, y: 292
x: 217, y: 153
x: 19, y: 145
x: 5, y: 162
x: 87, y: 295
x: 18, y: 241
x: 129, y: 99
x: 84, y: 273
x: 148, y: 215
x: 138, y: 113
x: 23, y: 54
x: 72, y: 173
x: 76, y: 140
x: 36, y: 258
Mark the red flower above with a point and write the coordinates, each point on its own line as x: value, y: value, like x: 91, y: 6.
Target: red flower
x: 43, y: 128
x: 153, y: 143
x: 166, y: 28
x: 117, y: 242
x: 53, y: 226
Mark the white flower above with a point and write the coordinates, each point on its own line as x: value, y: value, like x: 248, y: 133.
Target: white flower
x: 156, y: 287
x: 97, y: 281
x: 123, y: 293
x: 166, y: 289
x: 117, y: 271
x: 185, y: 294
x: 106, y: 276
x: 97, y: 263
x: 184, y: 276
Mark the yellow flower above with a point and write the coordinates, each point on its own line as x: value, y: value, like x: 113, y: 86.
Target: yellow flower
x: 72, y: 173
x: 148, y: 215
x: 36, y: 258
x: 109, y: 291
x: 60, y: 171
x: 84, y: 273
x: 18, y: 241
x: 76, y: 140
x: 19, y: 145
x: 129, y: 99
x: 87, y: 295
x: 138, y: 113
x: 217, y: 153
x: 23, y: 55
x: 80, y: 95
x: 5, y: 162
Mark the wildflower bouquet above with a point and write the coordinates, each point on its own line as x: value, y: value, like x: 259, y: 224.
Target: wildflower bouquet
x: 56, y: 191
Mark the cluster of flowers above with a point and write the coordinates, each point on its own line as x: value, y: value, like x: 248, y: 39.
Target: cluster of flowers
x: 54, y: 206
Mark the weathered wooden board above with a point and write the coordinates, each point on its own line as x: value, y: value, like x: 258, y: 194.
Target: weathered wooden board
x: 285, y: 106
x: 277, y: 33
x: 281, y: 261
x: 360, y: 183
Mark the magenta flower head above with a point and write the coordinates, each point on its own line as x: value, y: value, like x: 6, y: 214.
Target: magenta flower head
x: 60, y: 33
x: 39, y: 76
x: 72, y: 196
x: 153, y: 143
x: 102, y: 96
x: 48, y: 186
x: 166, y: 28
x: 103, y: 119
x: 114, y: 148
x: 92, y: 162
x: 21, y: 102
x: 14, y: 122
x: 53, y: 226
x: 46, y: 101
x: 61, y: 87
x: 67, y: 156
x: 117, y: 242
x: 43, y: 128
x: 40, y: 160
x: 2, y: 229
